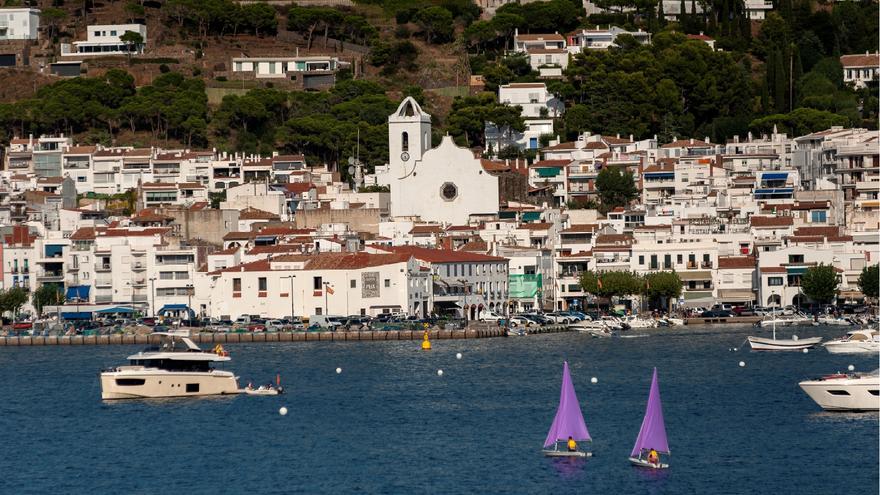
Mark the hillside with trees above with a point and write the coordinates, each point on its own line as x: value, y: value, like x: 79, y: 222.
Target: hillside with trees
x: 782, y: 72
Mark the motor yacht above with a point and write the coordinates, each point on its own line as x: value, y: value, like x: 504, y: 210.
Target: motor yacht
x: 175, y: 368
x: 865, y: 341
x: 785, y: 320
x: 832, y: 320
x: 639, y: 322
x: 845, y: 392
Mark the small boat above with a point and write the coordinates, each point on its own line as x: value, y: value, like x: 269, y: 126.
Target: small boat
x: 516, y: 332
x: 774, y: 344
x: 865, y: 341
x: 831, y: 320
x: 845, y: 391
x: 652, y: 434
x: 567, y: 424
x: 262, y: 390
x: 639, y: 322
x: 797, y: 319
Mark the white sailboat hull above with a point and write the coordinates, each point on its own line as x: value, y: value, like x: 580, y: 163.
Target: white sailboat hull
x: 762, y: 344
x: 635, y: 461
x: 565, y: 453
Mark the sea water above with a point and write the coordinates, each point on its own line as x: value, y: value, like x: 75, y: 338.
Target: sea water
x: 389, y: 424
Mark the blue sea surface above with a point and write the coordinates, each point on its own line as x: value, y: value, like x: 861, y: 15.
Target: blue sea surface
x: 389, y: 424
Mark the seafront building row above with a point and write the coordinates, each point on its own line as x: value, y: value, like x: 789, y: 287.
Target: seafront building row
x: 444, y: 231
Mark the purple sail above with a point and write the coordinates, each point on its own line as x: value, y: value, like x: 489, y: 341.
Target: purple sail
x: 652, y: 435
x: 569, y: 422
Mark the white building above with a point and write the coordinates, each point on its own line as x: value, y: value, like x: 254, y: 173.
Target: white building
x: 602, y: 39
x: 319, y: 284
x: 443, y: 184
x: 19, y: 24
x: 105, y: 39
x: 861, y: 70
x: 534, y: 98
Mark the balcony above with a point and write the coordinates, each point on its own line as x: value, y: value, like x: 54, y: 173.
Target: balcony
x: 51, y: 276
x: 706, y: 264
x: 138, y: 267
x: 139, y: 283
x: 103, y: 283
x: 692, y: 265
x: 103, y: 267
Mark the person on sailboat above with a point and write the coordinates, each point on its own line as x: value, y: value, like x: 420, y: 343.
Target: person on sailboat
x: 572, y: 445
x: 653, y: 457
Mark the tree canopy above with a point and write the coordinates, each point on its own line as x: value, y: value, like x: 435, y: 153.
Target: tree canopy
x: 869, y: 281
x: 819, y: 283
x: 615, y: 188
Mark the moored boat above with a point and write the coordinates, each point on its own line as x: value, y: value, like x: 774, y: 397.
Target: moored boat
x: 774, y: 344
x: 845, y: 391
x: 176, y: 368
x: 568, y: 425
x: 865, y: 341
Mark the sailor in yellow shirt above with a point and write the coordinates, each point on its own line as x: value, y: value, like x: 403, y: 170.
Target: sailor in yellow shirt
x: 572, y: 445
x: 653, y: 457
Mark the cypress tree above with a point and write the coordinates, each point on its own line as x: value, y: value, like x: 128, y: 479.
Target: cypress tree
x: 797, y: 72
x: 682, y: 17
x: 780, y: 82
x: 765, y: 96
x: 661, y: 16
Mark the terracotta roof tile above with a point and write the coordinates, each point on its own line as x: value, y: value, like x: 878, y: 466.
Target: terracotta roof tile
x: 736, y: 262
x: 861, y: 60
x: 442, y: 255
x: 759, y: 221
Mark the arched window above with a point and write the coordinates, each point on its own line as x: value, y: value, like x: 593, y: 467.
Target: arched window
x: 404, y: 139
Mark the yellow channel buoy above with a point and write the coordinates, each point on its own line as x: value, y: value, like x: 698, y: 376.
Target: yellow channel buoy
x: 426, y: 344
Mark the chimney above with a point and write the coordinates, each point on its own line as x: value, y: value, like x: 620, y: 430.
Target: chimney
x: 692, y: 140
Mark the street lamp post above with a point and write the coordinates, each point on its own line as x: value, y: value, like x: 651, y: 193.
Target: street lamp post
x: 190, y: 312
x: 291, y: 297
x: 325, y: 298
x: 152, y: 296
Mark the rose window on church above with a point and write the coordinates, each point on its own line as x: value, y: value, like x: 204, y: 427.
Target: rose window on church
x: 448, y: 191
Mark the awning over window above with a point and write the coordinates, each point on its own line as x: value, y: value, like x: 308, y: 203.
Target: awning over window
x: 795, y: 270
x: 115, y: 310
x: 82, y: 315
x: 548, y: 172
x: 778, y: 190
x: 175, y: 307
x: 736, y: 295
x: 775, y: 176
x: 531, y: 216
x: 660, y: 175
x: 695, y: 275
x: 54, y: 250
x: 80, y: 292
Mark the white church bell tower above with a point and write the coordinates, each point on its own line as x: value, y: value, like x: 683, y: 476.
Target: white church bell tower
x: 409, y: 136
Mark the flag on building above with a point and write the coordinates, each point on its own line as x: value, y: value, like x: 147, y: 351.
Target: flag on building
x: 329, y: 290
x: 599, y: 283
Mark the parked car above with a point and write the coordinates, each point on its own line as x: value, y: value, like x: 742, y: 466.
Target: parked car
x: 519, y: 321
x: 560, y: 317
x: 256, y: 327
x: 716, y: 313
x: 274, y: 325
x: 744, y: 311
x: 490, y: 316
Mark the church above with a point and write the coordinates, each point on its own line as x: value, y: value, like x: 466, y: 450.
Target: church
x: 444, y: 184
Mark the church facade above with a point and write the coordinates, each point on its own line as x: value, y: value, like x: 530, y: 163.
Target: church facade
x: 443, y: 184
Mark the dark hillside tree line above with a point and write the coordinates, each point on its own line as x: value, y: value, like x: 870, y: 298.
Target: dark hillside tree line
x: 172, y: 107
x: 221, y: 17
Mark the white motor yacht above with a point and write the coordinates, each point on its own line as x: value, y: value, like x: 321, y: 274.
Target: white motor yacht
x: 177, y: 368
x: 866, y: 341
x: 786, y: 320
x: 845, y: 392
x: 832, y: 320
x: 639, y: 322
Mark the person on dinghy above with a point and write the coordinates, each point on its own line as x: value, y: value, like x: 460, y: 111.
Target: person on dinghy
x: 572, y: 445
x: 653, y: 457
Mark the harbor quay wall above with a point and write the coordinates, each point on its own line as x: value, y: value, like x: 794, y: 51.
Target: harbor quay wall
x: 262, y: 337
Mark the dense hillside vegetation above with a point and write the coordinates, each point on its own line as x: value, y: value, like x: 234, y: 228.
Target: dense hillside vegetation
x: 782, y: 72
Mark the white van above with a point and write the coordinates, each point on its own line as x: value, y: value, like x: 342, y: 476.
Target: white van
x: 490, y: 316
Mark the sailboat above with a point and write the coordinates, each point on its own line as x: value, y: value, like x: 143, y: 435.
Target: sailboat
x: 652, y: 435
x: 568, y: 423
x: 774, y: 344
